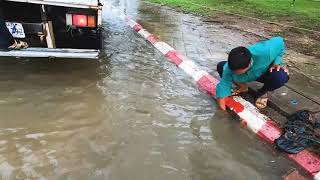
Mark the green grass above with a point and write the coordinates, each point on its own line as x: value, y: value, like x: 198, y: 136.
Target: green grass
x: 304, y: 13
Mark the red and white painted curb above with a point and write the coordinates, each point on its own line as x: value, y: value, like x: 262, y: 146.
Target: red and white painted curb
x: 260, y: 124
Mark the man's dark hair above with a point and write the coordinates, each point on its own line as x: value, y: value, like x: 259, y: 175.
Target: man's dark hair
x: 239, y: 58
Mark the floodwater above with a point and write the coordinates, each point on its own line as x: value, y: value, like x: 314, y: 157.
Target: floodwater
x: 133, y: 115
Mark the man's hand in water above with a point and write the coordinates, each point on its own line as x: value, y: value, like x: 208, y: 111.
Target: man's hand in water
x: 222, y: 103
x: 278, y: 67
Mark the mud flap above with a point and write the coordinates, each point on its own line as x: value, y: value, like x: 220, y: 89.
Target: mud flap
x: 53, y: 53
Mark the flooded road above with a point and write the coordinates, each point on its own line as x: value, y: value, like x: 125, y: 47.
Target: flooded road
x: 131, y: 116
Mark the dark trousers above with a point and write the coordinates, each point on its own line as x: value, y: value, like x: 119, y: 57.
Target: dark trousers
x: 271, y: 80
x: 6, y: 38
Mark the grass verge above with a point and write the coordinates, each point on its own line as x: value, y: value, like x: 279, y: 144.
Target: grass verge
x: 303, y: 13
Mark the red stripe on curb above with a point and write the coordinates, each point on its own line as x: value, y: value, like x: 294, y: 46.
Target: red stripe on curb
x: 234, y: 105
x: 174, y: 57
x: 137, y: 27
x: 208, y: 85
x: 152, y: 39
x: 308, y: 160
x: 269, y: 132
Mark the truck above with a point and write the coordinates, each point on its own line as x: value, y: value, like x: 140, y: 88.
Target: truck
x: 55, y: 28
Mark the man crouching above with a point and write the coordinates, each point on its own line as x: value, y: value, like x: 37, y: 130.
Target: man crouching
x: 260, y: 62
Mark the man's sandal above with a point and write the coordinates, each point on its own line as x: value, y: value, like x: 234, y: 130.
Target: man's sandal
x: 18, y: 45
x: 262, y: 101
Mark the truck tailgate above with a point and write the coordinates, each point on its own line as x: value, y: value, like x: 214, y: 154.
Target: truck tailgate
x: 54, y: 53
x: 65, y: 3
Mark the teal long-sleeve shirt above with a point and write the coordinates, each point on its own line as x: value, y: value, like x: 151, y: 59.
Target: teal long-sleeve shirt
x: 264, y: 54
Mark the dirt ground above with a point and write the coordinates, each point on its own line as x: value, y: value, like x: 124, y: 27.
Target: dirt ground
x: 304, y: 42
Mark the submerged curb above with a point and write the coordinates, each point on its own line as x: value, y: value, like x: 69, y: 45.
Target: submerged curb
x: 250, y: 116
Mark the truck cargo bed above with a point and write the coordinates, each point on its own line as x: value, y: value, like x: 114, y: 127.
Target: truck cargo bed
x: 53, y: 53
x: 92, y: 4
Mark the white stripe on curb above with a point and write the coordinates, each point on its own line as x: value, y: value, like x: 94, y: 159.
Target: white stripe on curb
x: 192, y: 69
x: 317, y: 176
x: 132, y: 23
x: 144, y: 33
x: 163, y: 47
x: 198, y: 75
x: 251, y: 115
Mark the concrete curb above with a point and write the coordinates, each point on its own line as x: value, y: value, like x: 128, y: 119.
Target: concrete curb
x: 260, y: 124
